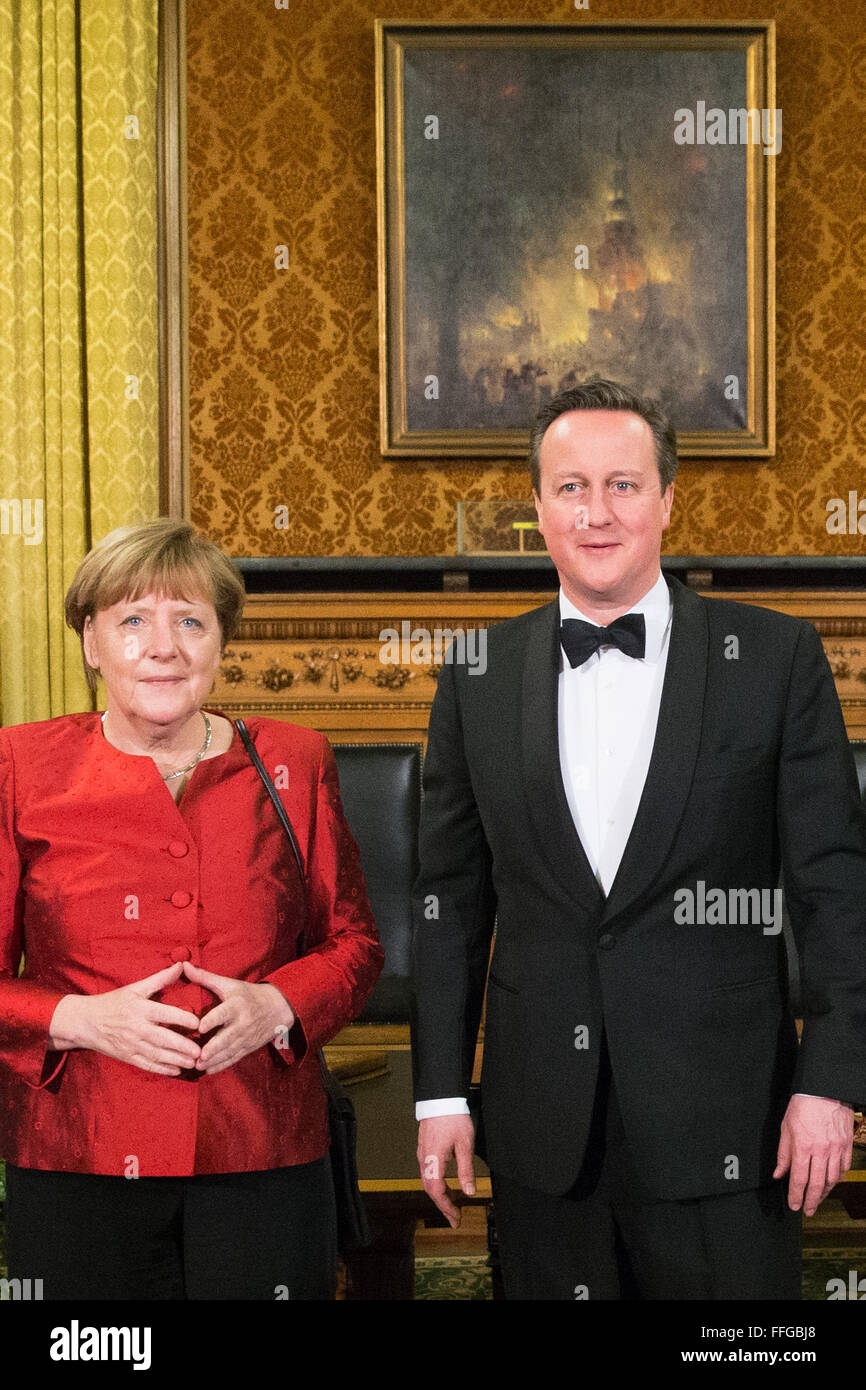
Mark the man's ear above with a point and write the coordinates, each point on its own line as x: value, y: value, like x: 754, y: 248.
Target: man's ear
x: 668, y: 497
x: 539, y: 511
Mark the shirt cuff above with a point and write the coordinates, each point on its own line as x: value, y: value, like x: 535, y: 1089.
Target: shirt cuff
x: 853, y: 1104
x: 429, y: 1109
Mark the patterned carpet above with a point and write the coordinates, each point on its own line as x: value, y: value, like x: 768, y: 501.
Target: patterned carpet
x: 453, y: 1278
x: 466, y: 1278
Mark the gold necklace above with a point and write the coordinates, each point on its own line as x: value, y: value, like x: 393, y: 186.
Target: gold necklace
x: 168, y: 776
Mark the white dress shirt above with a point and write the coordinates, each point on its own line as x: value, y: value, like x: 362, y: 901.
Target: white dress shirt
x: 608, y: 709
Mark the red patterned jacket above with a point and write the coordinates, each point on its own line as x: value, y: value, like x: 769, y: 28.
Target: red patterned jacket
x: 104, y: 880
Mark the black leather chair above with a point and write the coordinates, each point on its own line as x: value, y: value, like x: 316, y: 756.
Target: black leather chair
x: 380, y: 785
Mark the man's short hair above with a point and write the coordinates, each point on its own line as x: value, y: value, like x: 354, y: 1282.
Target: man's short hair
x: 599, y: 394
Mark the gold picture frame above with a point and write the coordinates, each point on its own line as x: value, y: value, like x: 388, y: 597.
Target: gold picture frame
x: 411, y: 59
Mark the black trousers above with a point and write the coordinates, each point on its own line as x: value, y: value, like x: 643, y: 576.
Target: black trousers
x: 262, y: 1235
x: 608, y: 1238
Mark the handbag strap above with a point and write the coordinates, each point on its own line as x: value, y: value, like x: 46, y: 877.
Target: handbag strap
x: 281, y: 812
x: 287, y: 826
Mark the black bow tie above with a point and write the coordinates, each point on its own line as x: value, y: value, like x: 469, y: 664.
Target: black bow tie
x: 579, y: 639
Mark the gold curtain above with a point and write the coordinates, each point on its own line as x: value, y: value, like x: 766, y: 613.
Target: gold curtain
x: 78, y: 318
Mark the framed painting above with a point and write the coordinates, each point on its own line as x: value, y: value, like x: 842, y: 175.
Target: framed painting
x: 562, y: 201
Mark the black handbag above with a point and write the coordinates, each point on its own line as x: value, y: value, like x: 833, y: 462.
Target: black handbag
x: 353, y: 1227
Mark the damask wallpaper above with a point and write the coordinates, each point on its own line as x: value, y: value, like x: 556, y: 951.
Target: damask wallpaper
x: 284, y: 433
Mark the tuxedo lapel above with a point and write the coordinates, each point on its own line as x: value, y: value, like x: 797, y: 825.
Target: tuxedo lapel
x: 548, y: 805
x: 675, y: 750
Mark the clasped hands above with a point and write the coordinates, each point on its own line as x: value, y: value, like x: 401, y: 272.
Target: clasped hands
x: 127, y: 1024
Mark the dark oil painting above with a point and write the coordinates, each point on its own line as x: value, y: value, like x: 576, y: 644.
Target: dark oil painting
x: 543, y: 151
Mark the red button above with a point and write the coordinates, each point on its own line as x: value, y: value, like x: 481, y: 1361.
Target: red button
x: 181, y: 898
x: 178, y: 849
x: 181, y: 953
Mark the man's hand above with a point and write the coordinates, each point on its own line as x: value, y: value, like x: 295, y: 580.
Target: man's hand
x: 817, y: 1145
x: 439, y: 1138
x: 247, y: 1016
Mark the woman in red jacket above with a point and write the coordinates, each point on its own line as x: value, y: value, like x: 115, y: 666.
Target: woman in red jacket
x: 162, y: 1112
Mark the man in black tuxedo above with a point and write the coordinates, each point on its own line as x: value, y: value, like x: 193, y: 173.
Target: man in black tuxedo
x: 619, y: 790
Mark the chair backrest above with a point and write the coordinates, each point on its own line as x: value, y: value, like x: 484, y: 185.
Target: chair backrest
x: 380, y: 786
x: 858, y: 748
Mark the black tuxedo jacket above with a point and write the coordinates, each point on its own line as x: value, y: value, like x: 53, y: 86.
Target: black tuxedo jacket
x: 750, y: 771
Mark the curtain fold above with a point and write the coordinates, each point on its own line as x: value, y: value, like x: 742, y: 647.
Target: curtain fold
x: 78, y: 318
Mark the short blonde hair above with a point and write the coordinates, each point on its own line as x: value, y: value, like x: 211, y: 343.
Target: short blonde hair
x: 164, y: 557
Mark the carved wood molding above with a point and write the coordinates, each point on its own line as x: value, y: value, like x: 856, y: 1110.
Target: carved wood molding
x: 317, y: 659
